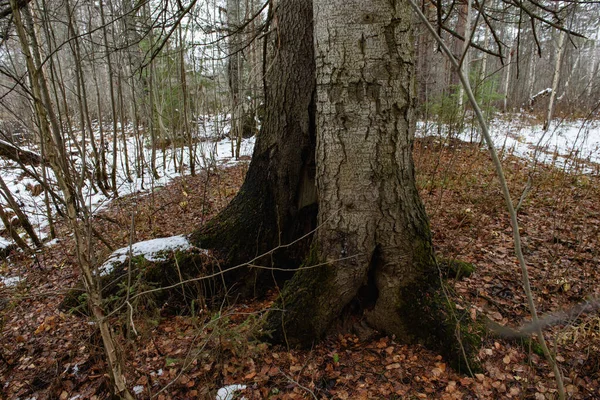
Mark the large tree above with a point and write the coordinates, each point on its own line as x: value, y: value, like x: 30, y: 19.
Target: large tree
x: 372, y: 251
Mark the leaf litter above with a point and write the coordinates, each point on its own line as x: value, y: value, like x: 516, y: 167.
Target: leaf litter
x: 48, y: 354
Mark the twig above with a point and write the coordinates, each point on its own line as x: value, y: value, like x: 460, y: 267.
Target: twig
x: 509, y: 204
x: 292, y: 380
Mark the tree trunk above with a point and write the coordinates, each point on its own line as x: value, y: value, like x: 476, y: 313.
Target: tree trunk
x: 560, y: 51
x: 235, y: 73
x: 465, y: 65
x: 507, y: 79
x: 277, y: 202
x: 372, y: 252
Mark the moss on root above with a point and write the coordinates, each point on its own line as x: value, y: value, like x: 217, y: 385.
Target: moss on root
x: 297, y: 309
x: 425, y: 308
x: 440, y: 325
x: 435, y: 321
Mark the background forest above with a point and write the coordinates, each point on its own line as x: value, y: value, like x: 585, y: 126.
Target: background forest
x: 127, y: 125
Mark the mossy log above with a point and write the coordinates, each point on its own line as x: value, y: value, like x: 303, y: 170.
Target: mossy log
x: 170, y: 283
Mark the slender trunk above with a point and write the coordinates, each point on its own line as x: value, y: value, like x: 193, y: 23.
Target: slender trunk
x: 113, y: 106
x: 140, y: 159
x: 594, y: 63
x: 11, y: 231
x: 531, y: 75
x: 560, y: 51
x: 465, y: 51
x: 507, y: 79
x: 152, y: 125
x: 102, y: 150
x: 484, y: 56
x: 186, y: 118
x: 54, y: 146
x: 82, y: 97
x: 123, y: 121
x: 46, y: 185
x: 234, y: 67
x: 25, y: 223
x: 572, y: 71
x: 101, y: 162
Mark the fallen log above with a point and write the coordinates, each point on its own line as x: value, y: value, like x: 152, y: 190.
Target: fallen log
x: 12, y: 152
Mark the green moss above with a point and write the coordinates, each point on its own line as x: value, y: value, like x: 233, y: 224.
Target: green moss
x: 455, y: 269
x: 300, y: 300
x: 75, y: 301
x: 459, y: 337
x: 430, y: 316
x: 528, y: 344
x: 435, y: 321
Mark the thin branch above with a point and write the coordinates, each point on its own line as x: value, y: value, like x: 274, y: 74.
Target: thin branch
x: 509, y: 204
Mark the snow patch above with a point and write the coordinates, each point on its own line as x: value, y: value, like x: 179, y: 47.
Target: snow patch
x: 53, y: 242
x: 228, y: 392
x: 4, y: 244
x: 10, y: 281
x: 542, y: 93
x: 138, y: 389
x: 208, y: 152
x: 571, y: 145
x: 152, y: 250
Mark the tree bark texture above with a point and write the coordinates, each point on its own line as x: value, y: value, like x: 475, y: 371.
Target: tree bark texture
x: 373, y: 246
x: 277, y: 202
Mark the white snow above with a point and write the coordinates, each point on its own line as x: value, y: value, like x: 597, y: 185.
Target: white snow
x: 208, y: 152
x: 228, y: 392
x: 571, y: 145
x: 542, y: 92
x: 152, y: 250
x: 53, y: 242
x: 138, y: 389
x: 10, y: 281
x: 4, y: 243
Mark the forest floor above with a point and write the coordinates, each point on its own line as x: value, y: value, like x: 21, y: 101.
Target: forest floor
x: 49, y: 354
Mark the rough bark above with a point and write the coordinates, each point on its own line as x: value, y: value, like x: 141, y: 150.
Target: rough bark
x: 277, y: 202
x: 373, y: 240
